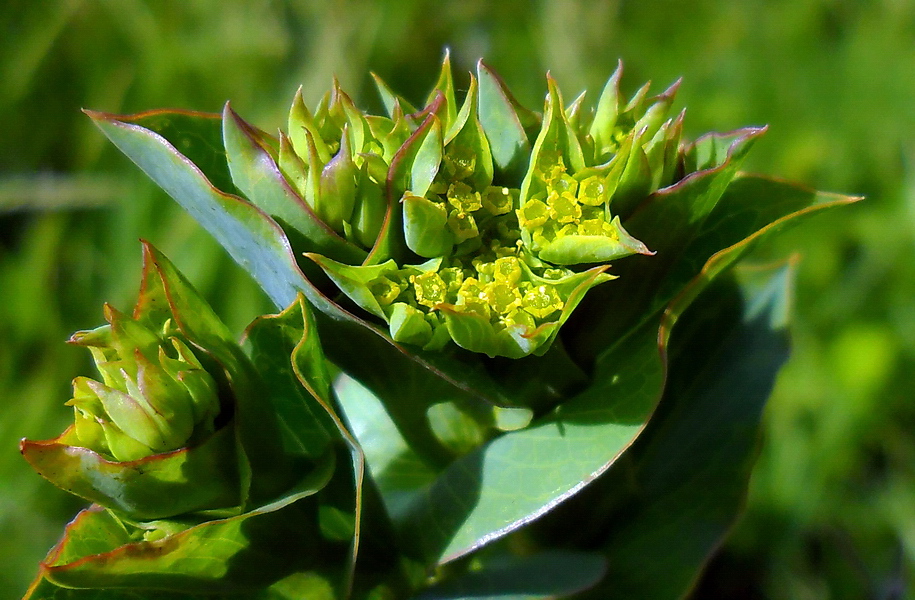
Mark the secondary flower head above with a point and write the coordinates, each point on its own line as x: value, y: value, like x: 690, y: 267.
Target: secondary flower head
x: 195, y: 453
x: 154, y: 435
x: 154, y: 395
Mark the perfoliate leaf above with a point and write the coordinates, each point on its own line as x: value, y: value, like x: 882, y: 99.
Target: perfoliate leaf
x: 249, y: 551
x: 392, y: 102
x: 608, y: 109
x: 712, y: 405
x: 183, y: 481
x: 427, y: 159
x: 577, y: 249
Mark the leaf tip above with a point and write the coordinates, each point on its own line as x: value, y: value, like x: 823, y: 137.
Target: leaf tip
x: 95, y: 115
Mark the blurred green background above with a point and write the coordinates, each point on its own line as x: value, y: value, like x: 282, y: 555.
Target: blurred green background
x: 831, y: 510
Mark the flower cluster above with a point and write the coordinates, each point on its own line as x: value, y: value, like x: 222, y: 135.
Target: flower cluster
x: 467, y: 222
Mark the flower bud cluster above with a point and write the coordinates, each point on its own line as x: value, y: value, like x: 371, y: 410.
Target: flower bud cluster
x: 155, y: 395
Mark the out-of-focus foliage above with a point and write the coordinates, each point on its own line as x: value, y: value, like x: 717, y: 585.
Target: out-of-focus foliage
x: 830, y: 510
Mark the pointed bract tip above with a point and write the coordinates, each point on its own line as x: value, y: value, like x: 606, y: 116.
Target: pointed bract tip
x: 229, y: 113
x: 554, y: 96
x: 77, y: 338
x: 110, y: 313
x: 671, y: 91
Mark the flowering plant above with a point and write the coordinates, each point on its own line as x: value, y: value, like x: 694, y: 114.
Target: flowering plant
x: 495, y: 291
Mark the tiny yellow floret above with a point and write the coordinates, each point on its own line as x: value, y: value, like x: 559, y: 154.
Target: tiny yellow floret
x: 593, y: 191
x: 563, y: 207
x: 463, y: 225
x: 534, y: 213
x: 462, y: 197
x: 385, y: 290
x: 429, y: 288
x: 498, y: 200
x: 542, y: 301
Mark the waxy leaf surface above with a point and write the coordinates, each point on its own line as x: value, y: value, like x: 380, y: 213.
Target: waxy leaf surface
x: 660, y: 513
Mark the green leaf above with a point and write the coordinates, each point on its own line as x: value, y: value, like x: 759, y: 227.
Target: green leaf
x: 578, y: 249
x: 306, y: 420
x: 353, y: 281
x: 159, y: 486
x: 606, y: 114
x: 292, y: 166
x: 253, y: 239
x: 246, y: 552
x: 196, y: 135
x: 392, y: 101
x: 545, y: 575
x: 417, y: 161
x: 541, y: 465
x: 661, y: 513
x: 425, y: 163
x: 371, y: 206
x: 343, y: 496
x: 466, y: 141
x: 753, y: 209
x: 390, y: 242
x: 395, y: 462
x: 556, y: 145
x: 350, y: 121
x: 635, y: 181
x: 338, y: 186
x: 476, y: 333
x: 301, y: 124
